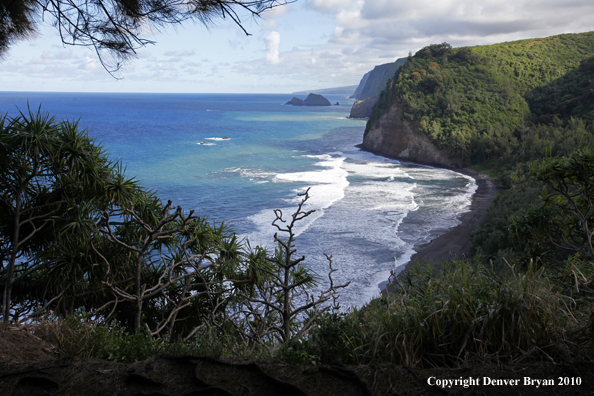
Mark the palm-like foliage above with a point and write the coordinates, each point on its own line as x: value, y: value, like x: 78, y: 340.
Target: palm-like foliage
x: 54, y: 182
x: 565, y: 214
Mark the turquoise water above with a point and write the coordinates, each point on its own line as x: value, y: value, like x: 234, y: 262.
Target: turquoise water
x: 239, y: 157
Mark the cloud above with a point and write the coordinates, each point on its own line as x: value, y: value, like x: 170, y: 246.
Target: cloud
x: 366, y: 33
x: 270, y: 24
x: 143, y: 54
x: 379, y: 22
x: 273, y: 47
x: 393, y: 28
x: 276, y: 12
x: 180, y: 53
x: 329, y: 6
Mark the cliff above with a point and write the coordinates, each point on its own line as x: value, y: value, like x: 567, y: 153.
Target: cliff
x: 363, y: 108
x: 360, y: 87
x: 329, y: 91
x: 375, y: 81
x: 370, y: 87
x: 485, y: 103
x: 392, y: 136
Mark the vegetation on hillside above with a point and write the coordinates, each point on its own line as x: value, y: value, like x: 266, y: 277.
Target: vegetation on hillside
x: 494, y: 101
x: 497, y: 108
x: 522, y: 112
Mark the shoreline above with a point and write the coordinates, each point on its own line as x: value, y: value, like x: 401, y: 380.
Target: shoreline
x: 456, y: 242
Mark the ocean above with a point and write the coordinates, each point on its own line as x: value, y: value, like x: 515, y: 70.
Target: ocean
x: 237, y: 157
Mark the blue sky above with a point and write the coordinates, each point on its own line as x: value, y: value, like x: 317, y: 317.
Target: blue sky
x: 308, y: 44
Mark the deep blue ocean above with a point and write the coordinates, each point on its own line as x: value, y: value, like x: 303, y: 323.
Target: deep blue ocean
x: 237, y: 157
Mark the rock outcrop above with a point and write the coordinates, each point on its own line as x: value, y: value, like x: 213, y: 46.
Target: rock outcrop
x: 295, y: 102
x: 392, y: 136
x: 311, y: 100
x: 363, y: 108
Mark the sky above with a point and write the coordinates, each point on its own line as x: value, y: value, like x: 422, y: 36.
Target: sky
x: 304, y: 45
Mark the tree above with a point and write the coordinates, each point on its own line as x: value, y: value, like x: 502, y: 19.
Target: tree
x: 281, y: 304
x: 565, y: 216
x: 48, y: 171
x: 114, y: 28
x: 174, y: 260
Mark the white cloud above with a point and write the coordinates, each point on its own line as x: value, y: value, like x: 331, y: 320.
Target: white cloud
x: 273, y: 47
x: 276, y: 12
x: 330, y: 6
x: 180, y: 53
x: 270, y: 24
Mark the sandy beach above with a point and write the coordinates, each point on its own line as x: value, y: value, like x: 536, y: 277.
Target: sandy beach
x: 456, y: 242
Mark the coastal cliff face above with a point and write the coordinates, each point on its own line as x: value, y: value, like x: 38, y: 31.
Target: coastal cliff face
x: 394, y: 137
x: 362, y: 108
x: 370, y: 87
x: 374, y: 81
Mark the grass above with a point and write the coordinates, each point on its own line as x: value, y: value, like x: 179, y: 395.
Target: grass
x: 465, y: 312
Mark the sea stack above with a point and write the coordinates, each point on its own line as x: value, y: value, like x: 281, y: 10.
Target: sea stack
x: 311, y: 100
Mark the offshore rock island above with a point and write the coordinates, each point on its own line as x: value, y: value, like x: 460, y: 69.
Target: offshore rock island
x: 311, y: 100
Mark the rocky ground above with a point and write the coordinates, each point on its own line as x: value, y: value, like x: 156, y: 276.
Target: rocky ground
x: 30, y: 366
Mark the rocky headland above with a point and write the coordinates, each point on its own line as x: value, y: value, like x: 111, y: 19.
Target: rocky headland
x: 394, y: 137
x: 363, y: 108
x: 370, y: 87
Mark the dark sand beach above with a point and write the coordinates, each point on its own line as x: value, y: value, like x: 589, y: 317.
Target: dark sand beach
x: 456, y: 242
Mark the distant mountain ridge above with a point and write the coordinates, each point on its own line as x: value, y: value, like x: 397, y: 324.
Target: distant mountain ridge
x: 348, y: 90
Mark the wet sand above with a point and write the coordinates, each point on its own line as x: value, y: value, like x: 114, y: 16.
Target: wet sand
x: 456, y: 242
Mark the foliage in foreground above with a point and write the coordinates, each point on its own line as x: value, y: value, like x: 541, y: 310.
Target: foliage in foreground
x: 77, y: 235
x: 465, y: 312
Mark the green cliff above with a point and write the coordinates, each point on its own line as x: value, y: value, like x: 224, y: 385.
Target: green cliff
x: 476, y: 104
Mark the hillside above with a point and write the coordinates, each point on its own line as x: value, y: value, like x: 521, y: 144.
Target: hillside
x: 470, y: 102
